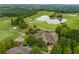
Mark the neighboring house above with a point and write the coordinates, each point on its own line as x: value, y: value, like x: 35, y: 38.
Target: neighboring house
x: 50, y: 38
x: 19, y: 50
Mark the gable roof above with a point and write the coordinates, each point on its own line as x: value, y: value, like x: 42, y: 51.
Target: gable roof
x: 48, y: 37
x: 15, y: 50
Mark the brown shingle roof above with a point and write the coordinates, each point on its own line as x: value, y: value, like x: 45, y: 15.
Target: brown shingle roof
x: 15, y: 50
x: 48, y: 37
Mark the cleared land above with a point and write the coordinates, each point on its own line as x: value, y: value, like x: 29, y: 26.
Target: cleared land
x: 5, y: 35
x: 73, y: 22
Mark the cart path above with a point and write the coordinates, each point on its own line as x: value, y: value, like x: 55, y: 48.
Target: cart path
x: 19, y: 38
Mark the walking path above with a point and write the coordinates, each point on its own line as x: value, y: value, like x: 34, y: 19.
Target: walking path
x: 49, y: 49
x: 20, y: 37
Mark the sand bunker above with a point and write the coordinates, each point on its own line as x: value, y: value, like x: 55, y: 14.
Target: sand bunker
x: 72, y: 15
x: 50, y: 21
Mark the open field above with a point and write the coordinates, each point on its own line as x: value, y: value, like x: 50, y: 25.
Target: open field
x: 41, y: 24
x: 5, y: 29
x: 5, y: 35
x: 73, y: 22
x: 39, y: 29
x: 5, y: 23
x: 41, y: 13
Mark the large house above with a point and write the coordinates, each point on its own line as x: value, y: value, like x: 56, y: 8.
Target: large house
x: 50, y: 38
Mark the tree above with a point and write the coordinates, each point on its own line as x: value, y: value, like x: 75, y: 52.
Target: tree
x: 64, y: 42
x: 73, y: 34
x: 76, y: 50
x: 67, y: 50
x: 2, y: 48
x: 31, y: 30
x: 12, y: 22
x: 62, y: 30
x: 59, y: 17
x: 56, y: 49
x: 31, y: 40
x: 23, y: 25
x: 41, y: 43
x: 73, y: 45
x: 18, y: 21
x: 36, y: 50
x: 8, y: 43
x: 52, y: 15
x: 34, y: 26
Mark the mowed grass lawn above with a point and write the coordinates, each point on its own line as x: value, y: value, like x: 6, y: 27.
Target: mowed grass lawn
x: 41, y: 24
x: 40, y: 13
x: 6, y: 35
x: 5, y: 27
x: 73, y: 21
x: 45, y: 25
x: 5, y: 23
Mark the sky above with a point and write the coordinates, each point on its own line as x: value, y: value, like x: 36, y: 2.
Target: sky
x: 39, y: 1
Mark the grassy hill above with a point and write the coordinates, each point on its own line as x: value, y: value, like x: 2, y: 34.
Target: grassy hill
x: 73, y: 22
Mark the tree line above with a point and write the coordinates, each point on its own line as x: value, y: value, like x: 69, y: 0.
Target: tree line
x: 68, y: 42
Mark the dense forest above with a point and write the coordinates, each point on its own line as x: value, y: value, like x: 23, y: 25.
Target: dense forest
x: 23, y: 10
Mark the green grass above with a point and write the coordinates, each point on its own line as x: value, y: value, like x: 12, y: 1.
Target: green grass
x: 5, y: 23
x: 73, y: 21
x: 5, y: 35
x: 41, y: 13
x: 41, y: 24
x: 45, y: 25
x: 4, y: 29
